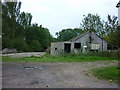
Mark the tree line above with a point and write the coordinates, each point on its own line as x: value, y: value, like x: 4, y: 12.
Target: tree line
x: 18, y: 31
x: 106, y: 29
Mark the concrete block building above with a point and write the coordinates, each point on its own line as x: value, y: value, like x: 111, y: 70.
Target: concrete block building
x: 86, y: 42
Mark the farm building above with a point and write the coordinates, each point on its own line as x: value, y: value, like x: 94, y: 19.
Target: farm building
x: 86, y: 42
x: 118, y: 6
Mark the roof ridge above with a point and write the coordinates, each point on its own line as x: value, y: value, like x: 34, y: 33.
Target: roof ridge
x: 79, y: 36
x: 85, y: 34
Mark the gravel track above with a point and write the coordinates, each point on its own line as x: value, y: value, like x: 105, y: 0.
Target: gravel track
x: 54, y: 75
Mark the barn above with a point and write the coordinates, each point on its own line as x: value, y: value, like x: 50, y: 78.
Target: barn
x: 86, y: 42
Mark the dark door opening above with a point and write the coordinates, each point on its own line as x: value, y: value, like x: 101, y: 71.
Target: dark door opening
x: 67, y: 47
x: 77, y: 45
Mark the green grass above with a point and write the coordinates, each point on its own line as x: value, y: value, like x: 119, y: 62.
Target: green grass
x: 61, y: 58
x: 107, y: 73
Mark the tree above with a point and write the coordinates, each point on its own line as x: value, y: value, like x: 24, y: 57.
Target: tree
x: 92, y: 22
x: 19, y: 33
x: 25, y: 19
x: 10, y: 14
x: 40, y: 34
x: 112, y: 32
x: 67, y: 34
x: 114, y: 37
x: 35, y: 46
x: 111, y: 24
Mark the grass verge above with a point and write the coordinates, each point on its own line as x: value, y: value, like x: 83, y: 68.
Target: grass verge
x: 61, y: 58
x: 108, y: 73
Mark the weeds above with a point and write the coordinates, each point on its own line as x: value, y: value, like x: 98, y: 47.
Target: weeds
x: 107, y: 73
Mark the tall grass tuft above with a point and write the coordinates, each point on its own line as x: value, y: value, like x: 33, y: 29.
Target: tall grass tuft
x: 101, y: 54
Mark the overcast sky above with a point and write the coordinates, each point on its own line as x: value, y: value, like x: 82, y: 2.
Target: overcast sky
x: 62, y: 14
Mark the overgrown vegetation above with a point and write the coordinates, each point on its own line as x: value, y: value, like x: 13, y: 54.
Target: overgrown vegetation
x: 106, y: 29
x: 61, y: 58
x: 101, y: 54
x: 19, y: 33
x: 108, y: 73
x: 67, y: 34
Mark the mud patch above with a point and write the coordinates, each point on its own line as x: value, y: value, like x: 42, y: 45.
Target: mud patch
x: 32, y: 67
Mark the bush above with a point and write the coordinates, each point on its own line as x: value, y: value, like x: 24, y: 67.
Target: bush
x: 35, y: 45
x: 113, y: 54
x: 101, y: 54
x: 7, y: 43
x: 20, y: 44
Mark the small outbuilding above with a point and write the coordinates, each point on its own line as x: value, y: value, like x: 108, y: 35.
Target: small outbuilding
x: 86, y: 42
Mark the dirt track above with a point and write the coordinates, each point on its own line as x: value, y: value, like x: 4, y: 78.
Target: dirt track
x: 54, y: 75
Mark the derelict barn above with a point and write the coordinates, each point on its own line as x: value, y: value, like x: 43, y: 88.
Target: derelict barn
x: 86, y: 42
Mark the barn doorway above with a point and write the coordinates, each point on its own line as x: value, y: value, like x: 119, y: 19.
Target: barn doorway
x: 67, y: 47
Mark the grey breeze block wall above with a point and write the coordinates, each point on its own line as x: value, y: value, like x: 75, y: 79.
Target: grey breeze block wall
x: 58, y: 47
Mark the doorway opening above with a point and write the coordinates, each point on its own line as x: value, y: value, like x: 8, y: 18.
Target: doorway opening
x: 67, y: 47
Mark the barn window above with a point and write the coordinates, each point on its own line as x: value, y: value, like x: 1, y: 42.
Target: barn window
x: 55, y: 48
x: 95, y: 46
x: 77, y: 45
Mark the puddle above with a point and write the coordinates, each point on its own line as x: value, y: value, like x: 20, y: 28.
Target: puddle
x: 33, y: 67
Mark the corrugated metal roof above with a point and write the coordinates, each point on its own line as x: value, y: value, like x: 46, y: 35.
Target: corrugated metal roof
x: 118, y: 5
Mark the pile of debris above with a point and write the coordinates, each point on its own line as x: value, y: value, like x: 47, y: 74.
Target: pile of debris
x: 8, y: 50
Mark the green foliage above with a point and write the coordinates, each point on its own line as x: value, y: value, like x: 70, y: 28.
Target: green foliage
x: 107, y: 38
x: 7, y: 43
x: 107, y: 73
x: 111, y: 24
x: 106, y: 29
x: 17, y: 43
x: 114, y: 37
x: 101, y: 54
x: 92, y: 22
x: 60, y: 58
x: 67, y: 34
x: 40, y: 34
x: 10, y: 16
x: 25, y: 19
x: 20, y: 44
x: 35, y: 45
x: 112, y: 31
x: 19, y: 33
